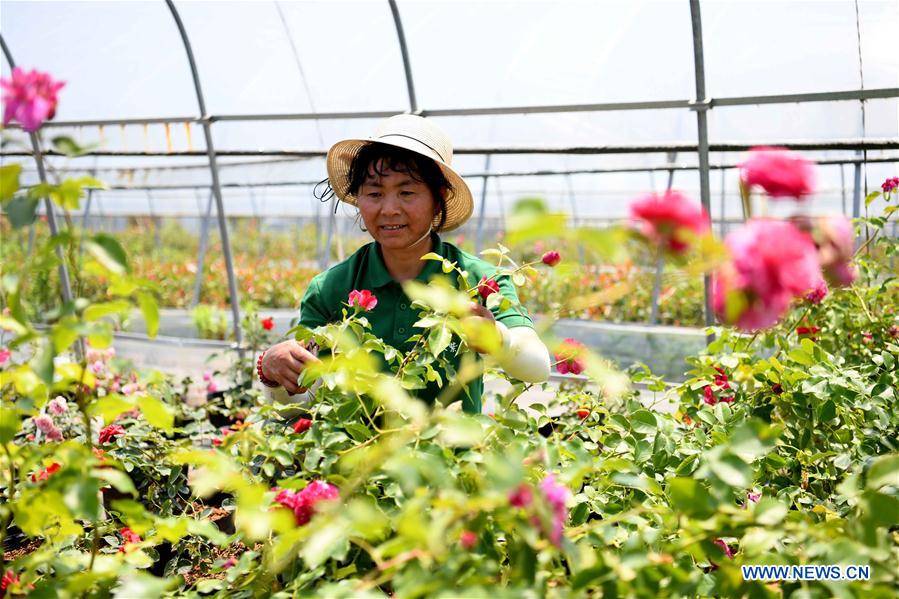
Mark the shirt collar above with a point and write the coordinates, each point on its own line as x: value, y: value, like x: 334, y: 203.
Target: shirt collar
x: 378, y: 275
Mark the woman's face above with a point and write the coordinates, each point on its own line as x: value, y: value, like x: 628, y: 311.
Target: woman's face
x: 396, y: 208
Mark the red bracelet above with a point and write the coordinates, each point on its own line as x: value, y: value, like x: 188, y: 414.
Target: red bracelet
x: 262, y: 379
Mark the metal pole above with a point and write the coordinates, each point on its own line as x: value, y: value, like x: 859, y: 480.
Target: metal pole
x: 201, y: 254
x: 582, y: 253
x: 701, y: 106
x: 660, y: 259
x: 722, y: 230
x: 324, y: 260
x: 216, y: 186
x: 479, y: 234
x: 857, y: 198
x: 843, y: 187
x: 84, y: 217
x: 65, y: 282
x: 404, y: 51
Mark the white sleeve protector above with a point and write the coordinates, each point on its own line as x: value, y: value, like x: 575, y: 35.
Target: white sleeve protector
x: 523, y: 356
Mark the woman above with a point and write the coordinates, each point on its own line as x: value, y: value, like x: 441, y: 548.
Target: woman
x: 406, y: 192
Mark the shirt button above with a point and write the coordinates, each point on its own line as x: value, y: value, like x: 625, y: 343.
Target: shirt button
x: 401, y: 330
x: 402, y: 306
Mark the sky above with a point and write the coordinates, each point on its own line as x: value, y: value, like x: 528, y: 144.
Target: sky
x: 125, y: 60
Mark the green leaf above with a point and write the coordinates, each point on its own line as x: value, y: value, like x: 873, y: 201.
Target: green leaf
x: 21, y: 211
x: 68, y: 146
x: 358, y: 432
x: 138, y: 585
x: 827, y: 411
x: 110, y: 406
x: 117, y: 478
x: 42, y: 364
x: 644, y: 421
x: 150, y: 310
x: 731, y: 470
x: 690, y: 497
x: 96, y: 311
x: 156, y: 412
x: 884, y: 471
x: 869, y: 199
x: 108, y: 252
x: 9, y: 180
x: 770, y: 512
x: 439, y: 339
x: 9, y: 424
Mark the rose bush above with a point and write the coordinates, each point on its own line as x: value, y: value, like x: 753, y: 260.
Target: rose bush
x: 776, y: 450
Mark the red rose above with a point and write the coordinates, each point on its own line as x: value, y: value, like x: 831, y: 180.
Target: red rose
x: 8, y: 578
x: 487, y: 287
x: 551, y: 258
x: 45, y: 473
x: 583, y: 413
x: 302, y: 425
x: 521, y: 497
x: 363, y: 299
x: 129, y: 537
x: 569, y: 358
x: 110, y: 432
x: 709, y: 395
x: 268, y: 323
x: 469, y: 539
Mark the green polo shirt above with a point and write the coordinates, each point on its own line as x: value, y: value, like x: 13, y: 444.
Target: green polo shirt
x: 393, y: 318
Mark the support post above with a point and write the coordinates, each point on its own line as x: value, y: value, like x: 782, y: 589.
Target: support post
x: 201, y: 253
x: 701, y: 106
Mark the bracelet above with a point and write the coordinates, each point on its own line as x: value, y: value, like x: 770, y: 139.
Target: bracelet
x: 262, y: 379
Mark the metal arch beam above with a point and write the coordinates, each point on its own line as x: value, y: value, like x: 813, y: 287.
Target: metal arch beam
x: 216, y: 185
x: 65, y: 281
x: 702, y: 105
x: 656, y: 148
x: 835, y: 96
x: 404, y: 50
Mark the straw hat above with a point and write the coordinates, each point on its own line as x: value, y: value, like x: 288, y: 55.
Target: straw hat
x: 412, y: 133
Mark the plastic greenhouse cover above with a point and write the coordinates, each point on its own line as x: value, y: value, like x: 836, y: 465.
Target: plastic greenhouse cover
x: 126, y: 60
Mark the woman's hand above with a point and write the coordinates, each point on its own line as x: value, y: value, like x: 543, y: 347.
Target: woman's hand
x: 284, y: 362
x: 483, y: 312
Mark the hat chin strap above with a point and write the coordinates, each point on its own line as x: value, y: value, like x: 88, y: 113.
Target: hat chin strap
x: 420, y: 239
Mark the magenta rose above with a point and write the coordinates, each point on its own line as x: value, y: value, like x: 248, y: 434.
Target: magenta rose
x: 772, y: 262
x: 30, y: 98
x: 669, y: 220
x: 780, y: 172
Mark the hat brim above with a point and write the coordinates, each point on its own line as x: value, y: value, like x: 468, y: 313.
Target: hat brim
x: 459, y: 205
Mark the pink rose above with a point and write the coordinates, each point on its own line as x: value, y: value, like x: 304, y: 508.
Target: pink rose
x: 30, y: 98
x: 4, y: 355
x: 725, y: 547
x: 43, y: 423
x: 303, y: 502
x: 557, y: 496
x: 771, y: 263
x: 363, y: 299
x: 58, y: 405
x: 835, y: 239
x: 780, y: 172
x: 669, y: 219
x: 818, y: 293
